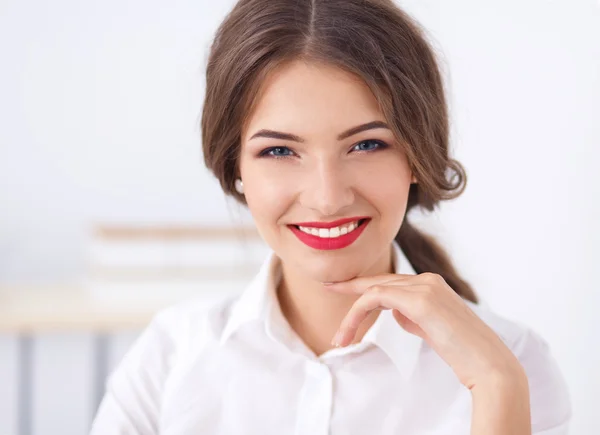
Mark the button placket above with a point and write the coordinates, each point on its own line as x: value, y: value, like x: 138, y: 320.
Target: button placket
x: 314, y: 405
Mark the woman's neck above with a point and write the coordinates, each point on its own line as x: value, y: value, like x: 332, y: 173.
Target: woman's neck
x: 315, y: 313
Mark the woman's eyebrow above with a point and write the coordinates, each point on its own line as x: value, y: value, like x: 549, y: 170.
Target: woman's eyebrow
x: 271, y: 134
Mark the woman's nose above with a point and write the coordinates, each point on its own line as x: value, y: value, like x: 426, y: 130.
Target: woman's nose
x: 329, y: 190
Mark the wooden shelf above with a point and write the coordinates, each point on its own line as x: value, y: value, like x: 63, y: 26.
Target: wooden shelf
x: 119, y: 293
x: 68, y: 308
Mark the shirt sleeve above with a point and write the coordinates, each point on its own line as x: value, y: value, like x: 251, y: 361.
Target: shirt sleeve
x: 131, y: 404
x: 549, y: 395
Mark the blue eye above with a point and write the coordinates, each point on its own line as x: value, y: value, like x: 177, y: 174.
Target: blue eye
x: 379, y: 145
x: 273, y: 152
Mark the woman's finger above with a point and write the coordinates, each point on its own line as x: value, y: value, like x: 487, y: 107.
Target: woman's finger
x: 408, y: 325
x: 361, y: 284
x: 382, y: 297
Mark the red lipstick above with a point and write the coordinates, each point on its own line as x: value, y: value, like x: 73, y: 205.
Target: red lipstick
x: 327, y: 243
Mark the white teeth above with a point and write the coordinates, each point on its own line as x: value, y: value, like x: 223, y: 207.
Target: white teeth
x: 327, y: 233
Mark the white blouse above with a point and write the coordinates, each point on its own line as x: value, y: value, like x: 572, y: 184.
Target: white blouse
x: 237, y: 367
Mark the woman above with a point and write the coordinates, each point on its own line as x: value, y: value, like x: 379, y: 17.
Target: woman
x: 328, y: 119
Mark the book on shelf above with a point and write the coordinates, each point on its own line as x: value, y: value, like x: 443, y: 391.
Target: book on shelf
x: 167, y: 262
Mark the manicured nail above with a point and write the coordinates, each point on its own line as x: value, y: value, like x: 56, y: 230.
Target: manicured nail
x: 337, y: 339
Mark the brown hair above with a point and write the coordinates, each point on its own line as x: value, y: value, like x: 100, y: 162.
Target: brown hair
x: 376, y: 41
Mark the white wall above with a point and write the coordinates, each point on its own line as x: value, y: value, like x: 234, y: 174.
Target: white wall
x: 99, y: 114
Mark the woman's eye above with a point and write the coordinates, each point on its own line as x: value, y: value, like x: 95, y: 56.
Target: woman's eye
x: 371, y: 145
x: 275, y: 152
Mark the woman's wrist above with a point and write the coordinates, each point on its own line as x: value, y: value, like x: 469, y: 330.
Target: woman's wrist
x: 501, y: 404
x: 507, y: 376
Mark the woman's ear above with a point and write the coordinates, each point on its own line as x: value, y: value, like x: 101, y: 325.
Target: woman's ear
x: 413, y: 180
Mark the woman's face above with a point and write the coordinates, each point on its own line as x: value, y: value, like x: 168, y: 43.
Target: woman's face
x: 322, y: 175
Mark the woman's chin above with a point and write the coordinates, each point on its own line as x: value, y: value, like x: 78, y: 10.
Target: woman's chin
x: 338, y: 271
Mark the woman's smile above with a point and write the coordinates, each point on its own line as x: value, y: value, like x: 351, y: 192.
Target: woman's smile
x: 330, y: 238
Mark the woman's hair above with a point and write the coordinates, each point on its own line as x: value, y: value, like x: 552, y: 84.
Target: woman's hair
x: 372, y: 39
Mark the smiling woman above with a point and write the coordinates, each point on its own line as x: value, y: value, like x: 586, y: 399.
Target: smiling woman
x: 328, y: 119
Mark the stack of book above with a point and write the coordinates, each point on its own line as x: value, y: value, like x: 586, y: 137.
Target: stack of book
x: 166, y: 263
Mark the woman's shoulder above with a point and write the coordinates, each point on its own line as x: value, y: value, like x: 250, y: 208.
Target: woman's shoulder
x: 512, y: 332
x: 520, y: 337
x: 135, y: 386
x: 191, y: 319
x: 177, y: 329
x: 549, y: 393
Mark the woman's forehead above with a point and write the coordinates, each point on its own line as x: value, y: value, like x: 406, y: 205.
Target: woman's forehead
x: 307, y: 98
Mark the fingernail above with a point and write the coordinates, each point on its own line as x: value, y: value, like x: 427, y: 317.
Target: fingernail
x: 337, y: 339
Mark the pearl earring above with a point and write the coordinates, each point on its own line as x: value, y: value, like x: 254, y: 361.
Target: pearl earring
x: 239, y: 186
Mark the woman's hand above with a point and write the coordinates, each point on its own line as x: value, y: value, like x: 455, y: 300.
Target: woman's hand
x: 426, y: 306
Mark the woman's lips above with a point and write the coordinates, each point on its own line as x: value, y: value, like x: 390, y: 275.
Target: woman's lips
x: 328, y: 243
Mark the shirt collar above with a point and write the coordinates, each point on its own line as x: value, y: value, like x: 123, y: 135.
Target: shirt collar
x: 257, y: 300
x: 254, y: 302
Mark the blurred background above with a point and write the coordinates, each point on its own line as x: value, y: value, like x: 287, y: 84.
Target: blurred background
x: 107, y: 211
